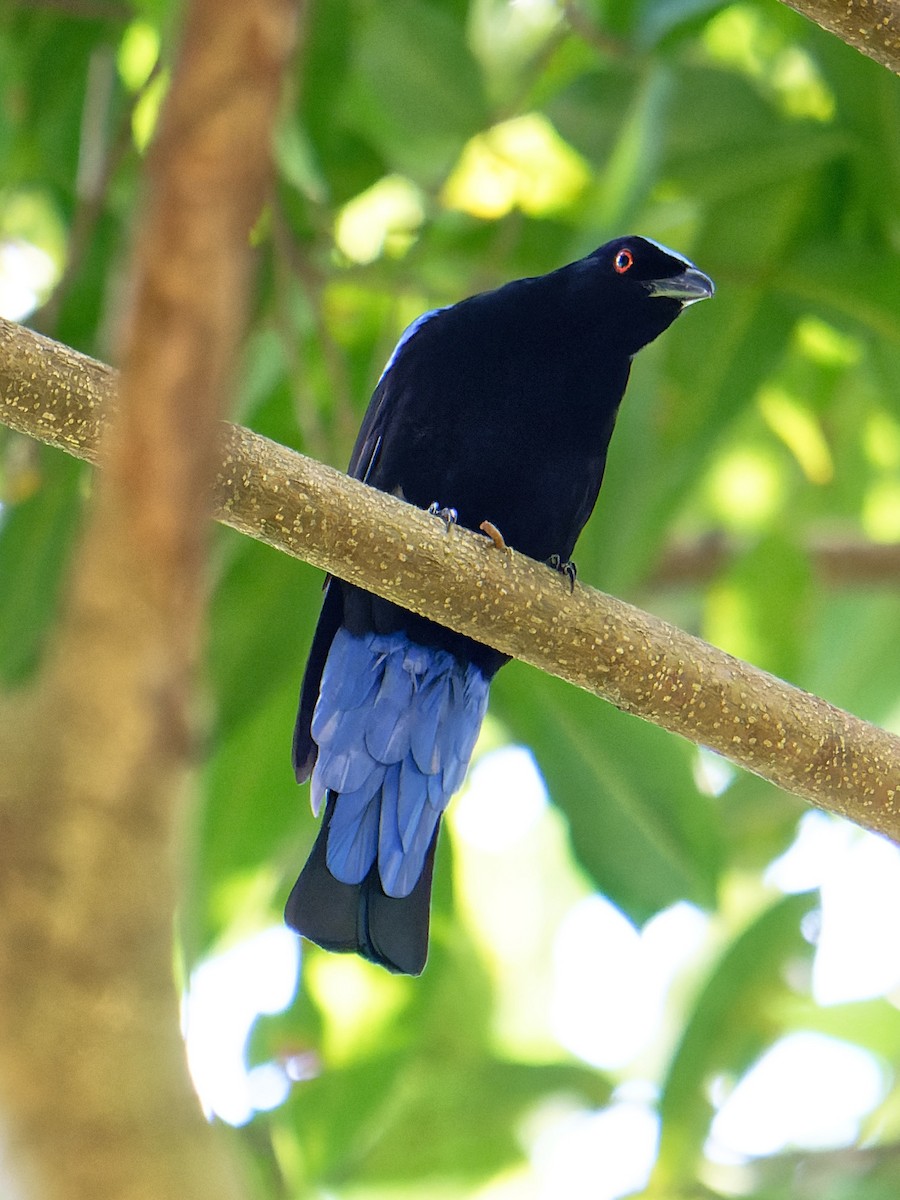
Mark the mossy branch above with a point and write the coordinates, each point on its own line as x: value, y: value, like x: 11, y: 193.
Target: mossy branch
x: 639, y: 663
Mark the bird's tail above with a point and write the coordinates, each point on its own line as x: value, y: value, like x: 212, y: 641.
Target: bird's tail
x: 361, y: 917
x: 394, y: 725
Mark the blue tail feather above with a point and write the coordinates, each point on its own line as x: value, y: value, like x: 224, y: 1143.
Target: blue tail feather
x: 394, y: 726
x: 411, y: 801
x: 348, y: 687
x: 351, y: 844
x: 431, y: 711
x: 347, y: 766
x: 435, y: 791
x: 428, y: 708
x: 389, y: 717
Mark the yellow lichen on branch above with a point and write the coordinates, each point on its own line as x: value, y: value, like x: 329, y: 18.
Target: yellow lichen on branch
x: 870, y: 26
x: 638, y: 662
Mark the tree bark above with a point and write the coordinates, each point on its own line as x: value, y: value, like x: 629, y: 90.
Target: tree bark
x: 837, y: 561
x: 634, y: 660
x: 870, y: 26
x: 96, y: 1098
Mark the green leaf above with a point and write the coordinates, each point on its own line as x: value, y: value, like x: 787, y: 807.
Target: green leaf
x: 638, y: 825
x: 296, y: 161
x: 855, y: 285
x: 854, y: 638
x: 425, y: 1099
x: 588, y: 111
x: 768, y: 592
x: 723, y: 173
x: 759, y: 822
x: 35, y: 543
x: 679, y: 405
x: 264, y: 612
x: 417, y: 87
x: 254, y: 824
x: 670, y: 20
x: 632, y: 166
x: 738, y: 1011
x: 871, y: 1024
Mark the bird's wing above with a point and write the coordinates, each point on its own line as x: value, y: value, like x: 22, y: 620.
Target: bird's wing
x: 363, y: 465
x: 376, y: 422
x: 304, y: 749
x: 371, y: 435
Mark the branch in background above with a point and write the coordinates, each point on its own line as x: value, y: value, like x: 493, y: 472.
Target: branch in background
x: 837, y: 561
x: 592, y: 34
x: 870, y: 26
x: 104, y: 10
x: 639, y: 663
x: 96, y: 1096
x: 98, y: 161
x: 290, y: 265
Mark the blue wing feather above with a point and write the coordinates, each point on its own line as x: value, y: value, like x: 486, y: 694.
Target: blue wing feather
x: 405, y: 336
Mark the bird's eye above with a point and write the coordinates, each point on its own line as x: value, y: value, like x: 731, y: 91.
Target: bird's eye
x: 623, y: 262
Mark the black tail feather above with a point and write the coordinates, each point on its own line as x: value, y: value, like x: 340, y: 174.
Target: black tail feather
x: 361, y: 918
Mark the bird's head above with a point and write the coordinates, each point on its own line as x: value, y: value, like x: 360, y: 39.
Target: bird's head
x: 643, y: 285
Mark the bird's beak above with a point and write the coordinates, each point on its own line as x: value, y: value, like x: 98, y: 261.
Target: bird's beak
x: 688, y: 287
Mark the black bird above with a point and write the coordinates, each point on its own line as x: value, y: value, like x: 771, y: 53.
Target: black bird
x: 500, y: 409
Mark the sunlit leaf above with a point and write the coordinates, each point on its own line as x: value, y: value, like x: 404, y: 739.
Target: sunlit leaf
x: 35, y: 544
x: 638, y: 825
x: 413, y: 49
x: 733, y: 1019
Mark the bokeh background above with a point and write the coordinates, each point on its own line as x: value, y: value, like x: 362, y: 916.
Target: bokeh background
x: 649, y: 973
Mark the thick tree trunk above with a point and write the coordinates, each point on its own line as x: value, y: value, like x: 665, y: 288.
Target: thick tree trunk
x: 97, y: 1103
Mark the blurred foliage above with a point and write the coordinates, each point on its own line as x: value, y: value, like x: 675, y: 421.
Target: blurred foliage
x: 428, y: 149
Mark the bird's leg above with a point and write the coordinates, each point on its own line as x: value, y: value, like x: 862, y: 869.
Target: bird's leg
x: 489, y: 529
x: 448, y: 515
x: 567, y: 568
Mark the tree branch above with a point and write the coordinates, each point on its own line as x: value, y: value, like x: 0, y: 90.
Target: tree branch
x: 838, y: 561
x: 634, y: 660
x: 870, y: 26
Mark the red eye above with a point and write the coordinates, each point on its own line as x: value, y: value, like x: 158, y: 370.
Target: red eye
x: 623, y: 262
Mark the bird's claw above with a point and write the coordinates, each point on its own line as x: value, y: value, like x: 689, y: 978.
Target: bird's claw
x: 448, y: 515
x: 566, y: 568
x: 490, y: 530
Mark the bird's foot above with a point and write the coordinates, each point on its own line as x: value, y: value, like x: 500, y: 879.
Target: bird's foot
x: 566, y: 568
x: 448, y: 515
x: 490, y: 530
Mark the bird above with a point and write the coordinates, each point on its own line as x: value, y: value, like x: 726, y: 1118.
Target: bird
x: 493, y: 412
